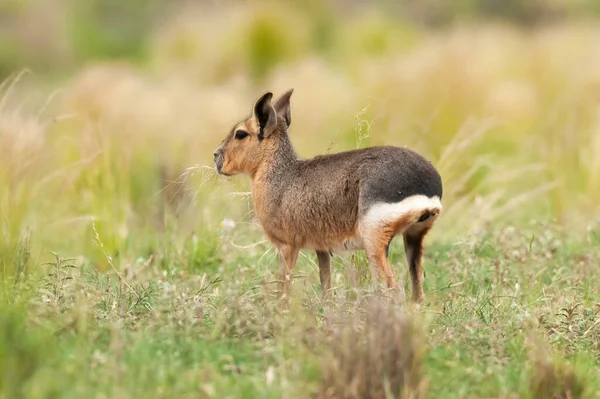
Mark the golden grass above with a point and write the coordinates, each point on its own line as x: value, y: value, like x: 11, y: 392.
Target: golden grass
x: 509, y: 117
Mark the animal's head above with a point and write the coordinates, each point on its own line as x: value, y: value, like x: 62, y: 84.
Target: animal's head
x: 246, y: 146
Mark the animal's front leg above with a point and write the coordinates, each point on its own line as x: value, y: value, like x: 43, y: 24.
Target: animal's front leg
x: 323, y: 258
x: 287, y: 262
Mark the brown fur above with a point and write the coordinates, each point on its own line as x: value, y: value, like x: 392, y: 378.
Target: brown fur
x: 318, y: 203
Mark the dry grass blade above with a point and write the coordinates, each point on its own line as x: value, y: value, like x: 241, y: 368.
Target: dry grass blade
x: 552, y: 379
x: 463, y: 140
x: 379, y: 357
x: 109, y: 260
x: 10, y: 84
x: 518, y: 200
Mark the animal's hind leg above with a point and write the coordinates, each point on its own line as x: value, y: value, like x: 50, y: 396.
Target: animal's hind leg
x: 413, y: 246
x: 377, y: 255
x: 377, y: 239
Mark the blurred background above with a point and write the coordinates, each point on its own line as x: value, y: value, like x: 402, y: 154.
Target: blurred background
x: 111, y: 109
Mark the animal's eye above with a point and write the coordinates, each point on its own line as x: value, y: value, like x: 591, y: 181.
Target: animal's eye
x: 240, y: 135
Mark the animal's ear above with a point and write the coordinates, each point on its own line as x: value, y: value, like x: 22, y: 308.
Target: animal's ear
x: 265, y: 114
x: 282, y: 106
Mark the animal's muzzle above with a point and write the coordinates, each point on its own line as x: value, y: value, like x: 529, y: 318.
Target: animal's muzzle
x: 218, y: 160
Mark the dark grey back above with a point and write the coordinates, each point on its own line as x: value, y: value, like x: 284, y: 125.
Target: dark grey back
x: 341, y: 186
x: 392, y: 174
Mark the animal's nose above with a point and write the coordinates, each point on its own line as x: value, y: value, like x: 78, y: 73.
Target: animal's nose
x: 216, y: 153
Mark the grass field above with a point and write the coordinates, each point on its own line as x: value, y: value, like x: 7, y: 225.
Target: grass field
x: 130, y: 270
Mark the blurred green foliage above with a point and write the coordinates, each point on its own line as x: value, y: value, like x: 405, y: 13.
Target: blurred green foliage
x: 111, y: 28
x: 44, y: 36
x: 23, y: 351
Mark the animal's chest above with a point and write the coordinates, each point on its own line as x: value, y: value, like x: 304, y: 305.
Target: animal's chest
x: 275, y: 212
x: 305, y: 218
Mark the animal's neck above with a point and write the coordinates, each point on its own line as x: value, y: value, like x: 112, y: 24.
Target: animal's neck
x: 279, y: 159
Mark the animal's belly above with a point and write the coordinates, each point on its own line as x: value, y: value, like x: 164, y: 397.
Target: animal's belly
x: 323, y: 237
x: 335, y: 244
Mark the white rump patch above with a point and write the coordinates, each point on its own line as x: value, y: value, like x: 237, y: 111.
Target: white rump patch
x: 381, y: 213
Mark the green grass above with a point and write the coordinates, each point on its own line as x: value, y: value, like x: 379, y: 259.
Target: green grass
x: 499, y: 308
